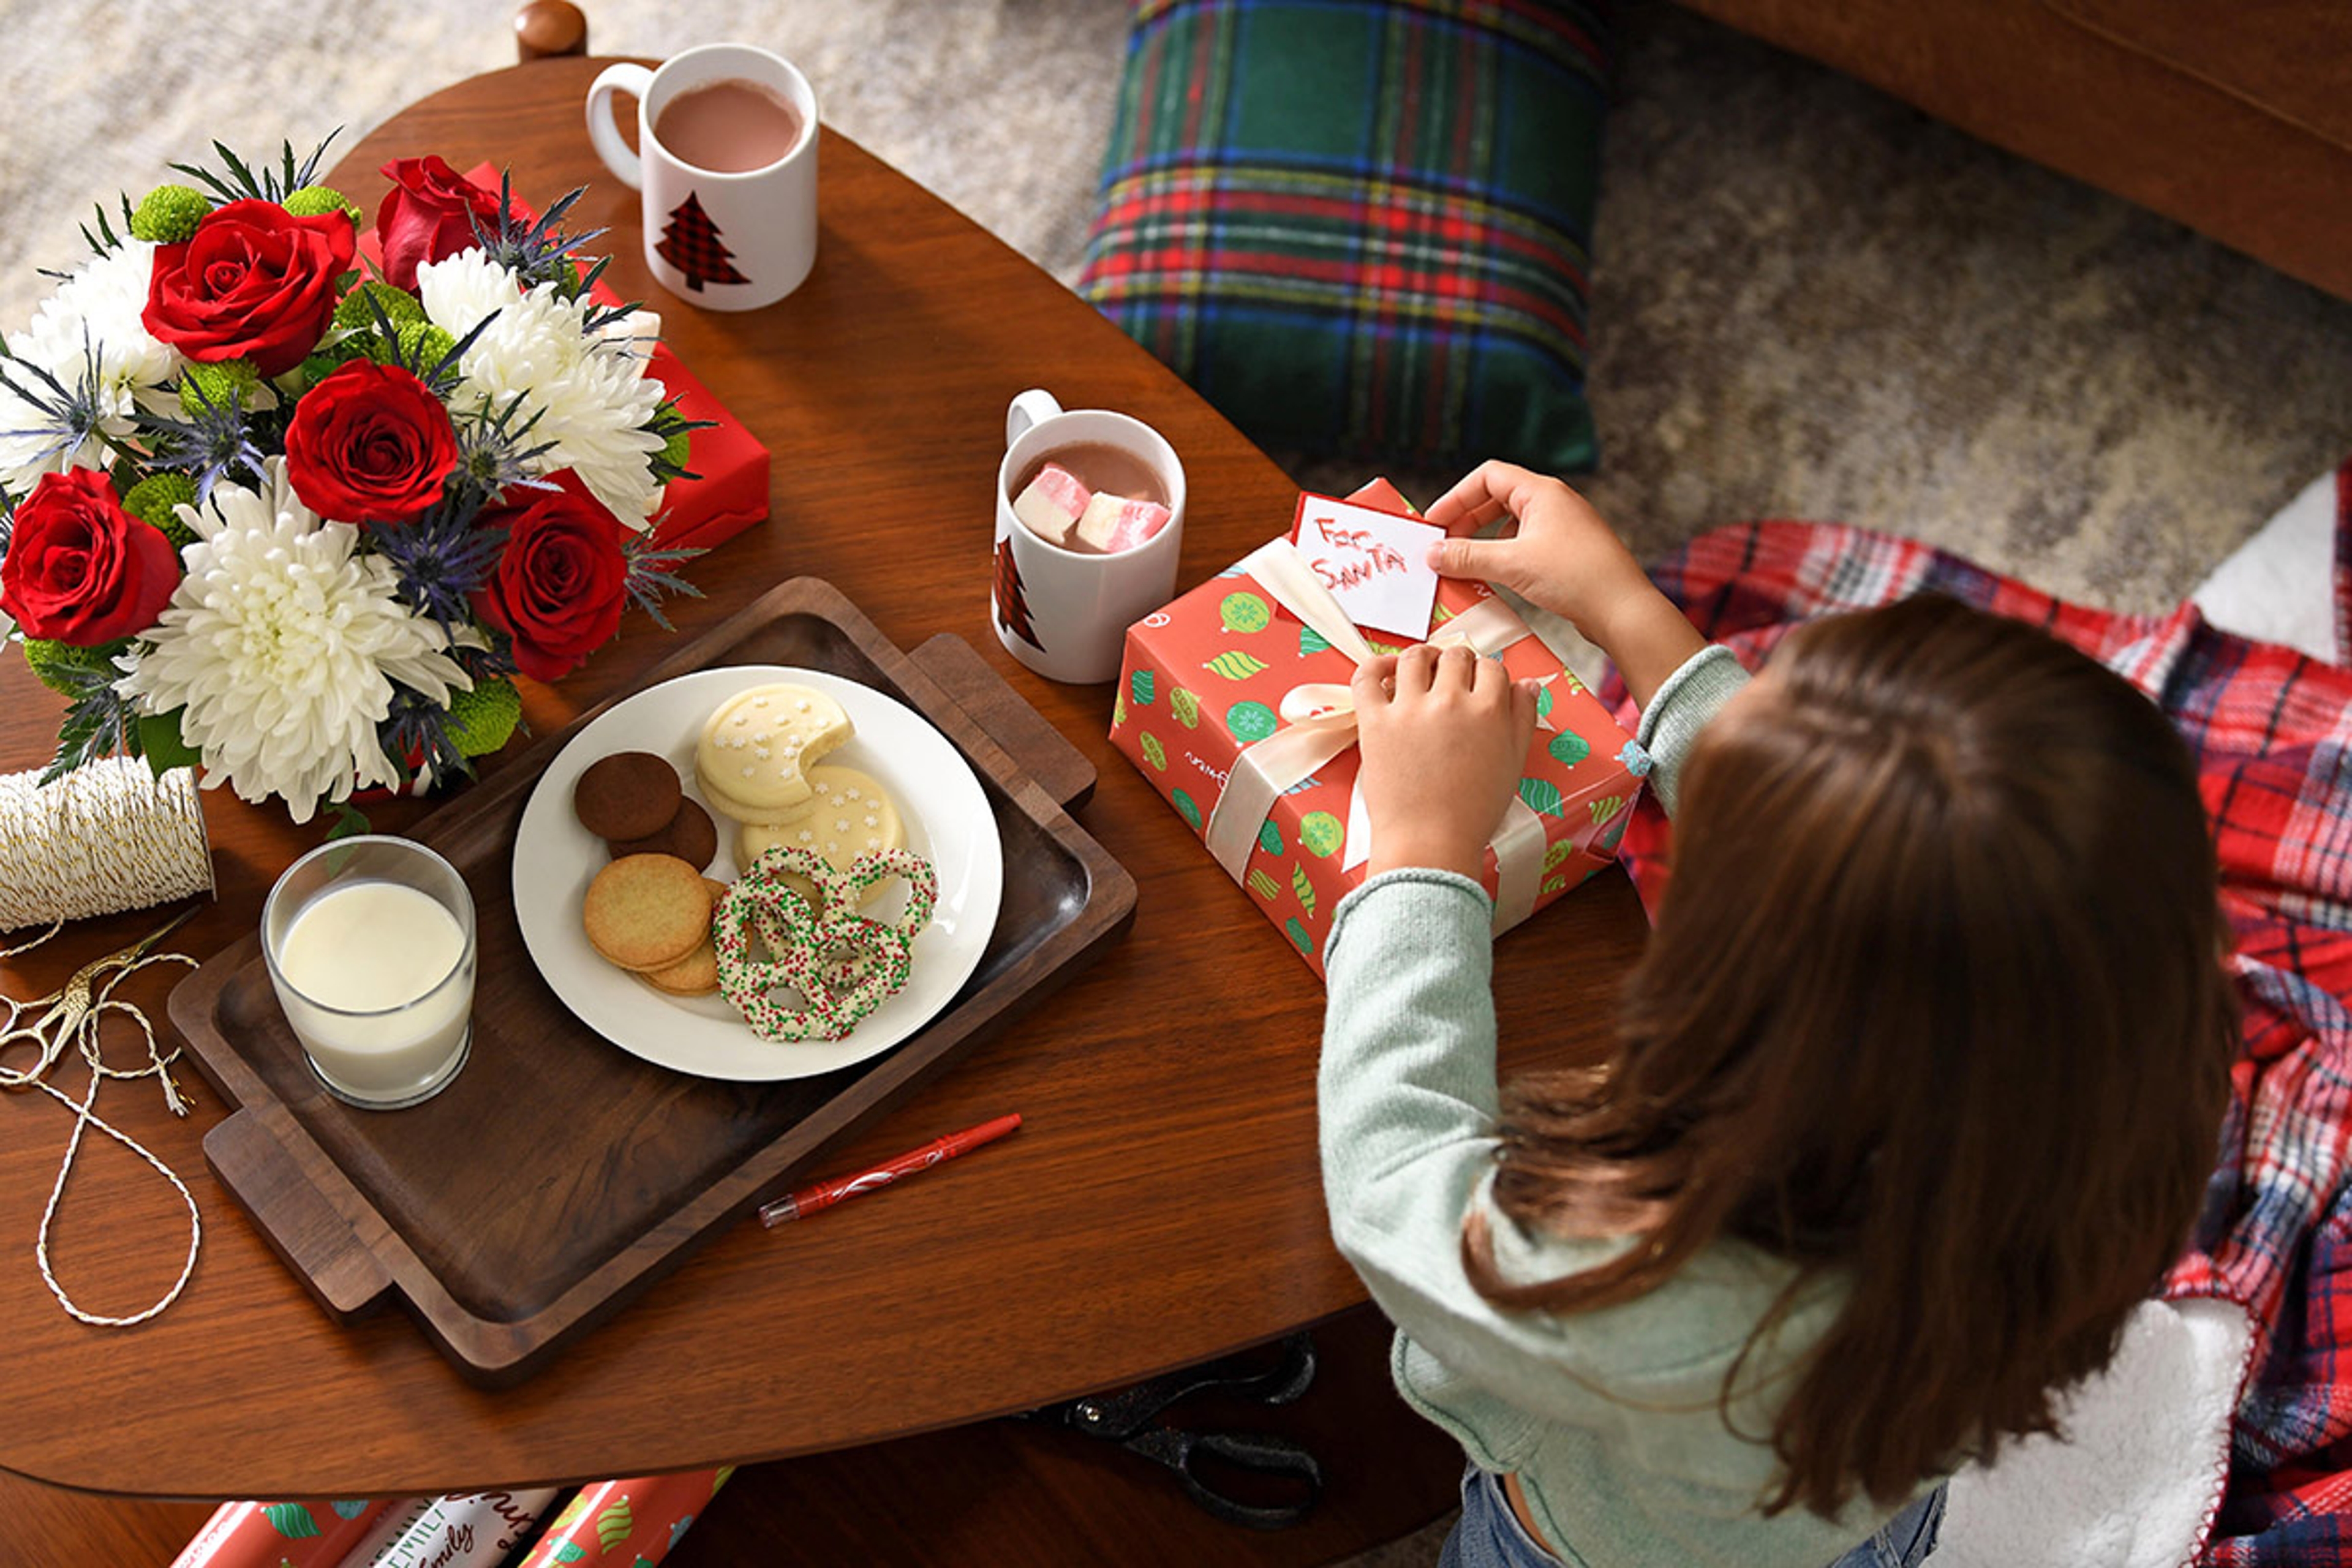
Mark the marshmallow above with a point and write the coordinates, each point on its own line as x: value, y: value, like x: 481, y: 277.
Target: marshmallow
x: 1051, y: 503
x: 1112, y: 523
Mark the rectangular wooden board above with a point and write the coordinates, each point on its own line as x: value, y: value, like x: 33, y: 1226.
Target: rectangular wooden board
x: 609, y: 1171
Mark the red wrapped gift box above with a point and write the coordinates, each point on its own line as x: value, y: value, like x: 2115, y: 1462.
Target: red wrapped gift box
x: 1207, y: 678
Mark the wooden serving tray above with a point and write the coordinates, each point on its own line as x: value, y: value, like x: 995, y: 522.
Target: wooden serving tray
x: 559, y: 1175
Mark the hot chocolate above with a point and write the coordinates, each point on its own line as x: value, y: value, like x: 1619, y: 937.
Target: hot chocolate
x: 729, y: 127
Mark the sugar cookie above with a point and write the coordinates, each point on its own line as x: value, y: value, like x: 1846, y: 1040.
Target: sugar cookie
x: 757, y: 743
x: 646, y: 911
x: 696, y: 975
x: 849, y: 814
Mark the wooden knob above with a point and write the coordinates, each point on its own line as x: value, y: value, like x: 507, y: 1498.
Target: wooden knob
x: 544, y: 27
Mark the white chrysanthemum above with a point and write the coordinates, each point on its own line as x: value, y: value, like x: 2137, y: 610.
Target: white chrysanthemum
x: 590, y: 391
x: 283, y: 645
x: 92, y: 315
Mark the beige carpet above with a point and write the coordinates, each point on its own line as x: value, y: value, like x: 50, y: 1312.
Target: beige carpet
x: 1811, y: 301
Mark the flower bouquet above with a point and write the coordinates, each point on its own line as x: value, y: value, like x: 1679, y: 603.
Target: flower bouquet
x: 295, y: 519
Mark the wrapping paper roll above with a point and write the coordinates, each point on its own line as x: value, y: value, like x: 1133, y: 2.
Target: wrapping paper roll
x: 638, y: 1521
x: 266, y: 1534
x: 471, y: 1531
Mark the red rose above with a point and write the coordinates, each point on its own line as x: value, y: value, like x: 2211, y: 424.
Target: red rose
x: 79, y: 569
x: 254, y: 281
x: 561, y: 580
x: 370, y: 443
x: 429, y: 214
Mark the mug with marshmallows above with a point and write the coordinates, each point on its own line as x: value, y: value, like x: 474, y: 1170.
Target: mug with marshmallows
x: 726, y: 161
x: 1089, y: 522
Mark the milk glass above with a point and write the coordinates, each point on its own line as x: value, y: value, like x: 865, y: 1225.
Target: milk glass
x: 370, y: 947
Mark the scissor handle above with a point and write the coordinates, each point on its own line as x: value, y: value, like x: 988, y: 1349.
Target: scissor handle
x: 1261, y: 1452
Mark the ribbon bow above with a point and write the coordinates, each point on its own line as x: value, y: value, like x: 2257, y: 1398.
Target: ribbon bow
x: 1320, y: 723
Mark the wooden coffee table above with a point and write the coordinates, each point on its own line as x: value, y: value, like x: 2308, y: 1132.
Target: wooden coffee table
x: 1162, y: 1202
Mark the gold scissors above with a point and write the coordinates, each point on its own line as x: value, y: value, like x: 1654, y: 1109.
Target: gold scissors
x: 69, y: 1006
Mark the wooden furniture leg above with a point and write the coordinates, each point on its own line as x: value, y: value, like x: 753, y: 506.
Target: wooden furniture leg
x: 545, y: 27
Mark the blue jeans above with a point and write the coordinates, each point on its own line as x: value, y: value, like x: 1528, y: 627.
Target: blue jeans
x: 1491, y: 1536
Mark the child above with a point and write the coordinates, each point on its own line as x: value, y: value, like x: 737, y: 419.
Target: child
x: 1913, y: 1099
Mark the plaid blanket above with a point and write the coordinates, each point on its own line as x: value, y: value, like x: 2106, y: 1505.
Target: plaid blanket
x: 2272, y: 731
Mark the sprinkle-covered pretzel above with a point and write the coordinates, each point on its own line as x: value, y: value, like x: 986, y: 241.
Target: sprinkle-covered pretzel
x: 842, y: 964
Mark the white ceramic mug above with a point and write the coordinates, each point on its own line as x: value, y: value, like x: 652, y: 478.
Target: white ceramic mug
x: 1070, y: 610
x: 723, y: 241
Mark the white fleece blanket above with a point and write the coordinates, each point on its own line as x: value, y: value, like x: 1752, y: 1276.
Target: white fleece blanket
x: 2134, y: 1483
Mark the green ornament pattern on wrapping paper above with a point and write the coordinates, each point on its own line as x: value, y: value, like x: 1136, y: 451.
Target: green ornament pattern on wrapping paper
x: 614, y: 1525
x: 1119, y: 710
x: 570, y: 1516
x: 1311, y: 641
x: 1269, y: 836
x: 1154, y: 753
x: 1611, y: 836
x: 1250, y: 721
x: 1541, y: 795
x: 1605, y: 808
x: 1568, y: 748
x: 291, y: 1520
x: 1300, y: 937
x: 1186, y: 809
x: 350, y: 1507
x: 1321, y: 833
x: 1186, y: 707
x: 1139, y: 684
x: 1543, y: 701
x: 1556, y: 852
x: 1304, y: 888
x: 1262, y: 885
x: 1234, y: 665
x: 570, y: 1551
x: 1245, y: 613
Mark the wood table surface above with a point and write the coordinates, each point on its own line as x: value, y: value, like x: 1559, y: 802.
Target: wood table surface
x: 1161, y: 1204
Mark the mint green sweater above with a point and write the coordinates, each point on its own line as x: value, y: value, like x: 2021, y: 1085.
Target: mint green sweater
x: 1610, y: 1418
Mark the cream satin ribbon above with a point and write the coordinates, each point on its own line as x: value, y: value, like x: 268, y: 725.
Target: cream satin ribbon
x: 1320, y: 721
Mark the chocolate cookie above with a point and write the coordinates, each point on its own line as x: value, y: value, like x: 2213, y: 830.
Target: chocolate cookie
x: 646, y: 911
x: 690, y: 836
x: 629, y: 794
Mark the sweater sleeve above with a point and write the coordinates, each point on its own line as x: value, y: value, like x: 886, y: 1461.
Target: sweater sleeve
x: 1407, y: 1098
x: 1692, y: 695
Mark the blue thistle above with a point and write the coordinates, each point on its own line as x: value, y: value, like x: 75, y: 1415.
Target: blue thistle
x: 652, y: 575
x: 541, y: 252
x: 495, y: 453
x: 69, y: 415
x: 241, y: 183
x: 442, y: 557
x: 216, y: 437
x: 415, y: 735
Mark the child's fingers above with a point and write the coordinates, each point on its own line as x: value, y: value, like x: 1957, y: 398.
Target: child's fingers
x: 1374, y: 683
x: 1478, y: 497
x: 1525, y: 699
x: 1457, y: 667
x: 1416, y: 666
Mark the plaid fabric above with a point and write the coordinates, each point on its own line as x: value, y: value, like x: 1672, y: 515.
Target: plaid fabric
x: 2272, y: 731
x: 1361, y: 227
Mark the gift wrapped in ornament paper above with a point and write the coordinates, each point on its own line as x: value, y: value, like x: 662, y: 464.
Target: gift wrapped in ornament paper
x: 1226, y: 703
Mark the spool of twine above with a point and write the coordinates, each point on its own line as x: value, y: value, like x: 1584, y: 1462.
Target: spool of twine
x: 110, y: 835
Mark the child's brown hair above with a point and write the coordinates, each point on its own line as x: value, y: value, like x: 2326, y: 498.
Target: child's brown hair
x: 1936, y: 1003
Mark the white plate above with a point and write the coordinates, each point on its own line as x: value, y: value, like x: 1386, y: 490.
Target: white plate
x: 948, y: 823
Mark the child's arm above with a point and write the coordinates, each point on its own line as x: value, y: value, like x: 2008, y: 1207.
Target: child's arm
x: 1562, y: 555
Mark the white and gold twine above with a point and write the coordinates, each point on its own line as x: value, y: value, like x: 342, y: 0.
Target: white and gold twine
x: 108, y: 837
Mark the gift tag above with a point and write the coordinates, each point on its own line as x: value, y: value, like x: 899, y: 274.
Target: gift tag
x: 1374, y: 563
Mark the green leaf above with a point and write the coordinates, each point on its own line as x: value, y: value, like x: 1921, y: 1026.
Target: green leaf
x: 350, y: 822
x: 161, y: 743
x: 291, y: 1520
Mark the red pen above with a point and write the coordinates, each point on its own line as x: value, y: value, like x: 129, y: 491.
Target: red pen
x: 825, y: 1195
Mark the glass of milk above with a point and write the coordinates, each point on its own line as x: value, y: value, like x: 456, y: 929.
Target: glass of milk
x: 370, y: 942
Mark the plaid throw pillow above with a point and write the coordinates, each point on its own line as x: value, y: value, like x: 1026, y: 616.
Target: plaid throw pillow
x: 1361, y: 228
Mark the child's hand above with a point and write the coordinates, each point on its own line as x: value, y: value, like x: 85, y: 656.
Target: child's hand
x: 1443, y: 736
x: 1561, y: 554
